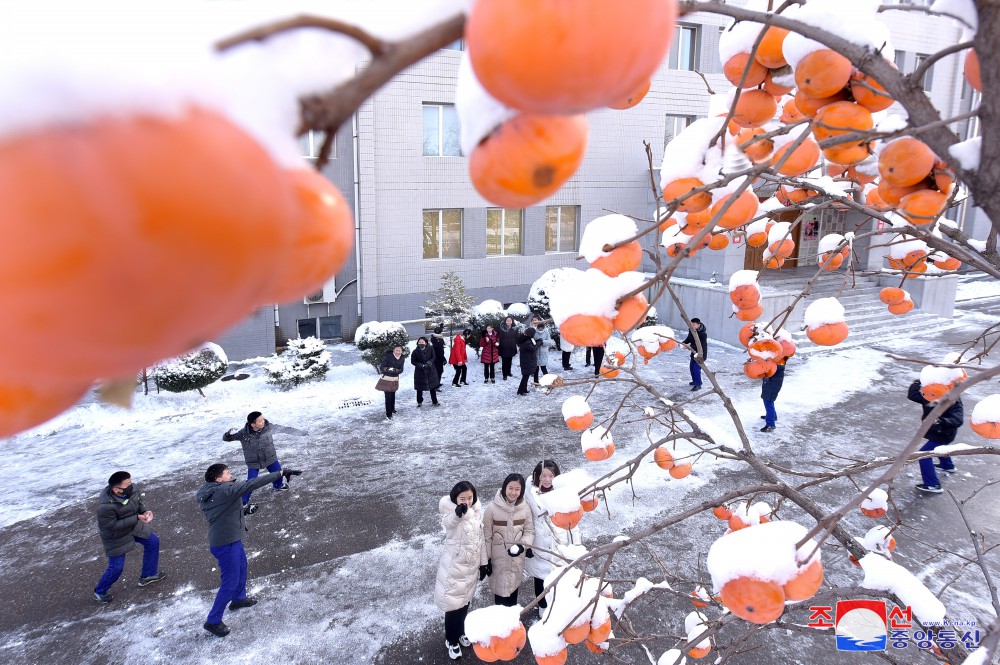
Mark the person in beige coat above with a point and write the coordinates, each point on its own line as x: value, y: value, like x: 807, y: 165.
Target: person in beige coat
x: 463, y: 563
x: 509, y: 531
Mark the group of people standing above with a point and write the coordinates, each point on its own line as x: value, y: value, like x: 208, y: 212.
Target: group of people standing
x: 123, y: 520
x: 512, y: 537
x: 529, y: 345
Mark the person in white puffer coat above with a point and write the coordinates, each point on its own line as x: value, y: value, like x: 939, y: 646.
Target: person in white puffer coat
x: 463, y: 562
x: 547, y: 537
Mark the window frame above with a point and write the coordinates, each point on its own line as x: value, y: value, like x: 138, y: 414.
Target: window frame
x: 440, y: 233
x: 440, y: 106
x: 314, y: 141
x: 503, y: 232
x: 695, y: 60
x: 576, y: 229
x: 676, y: 116
x: 927, y: 84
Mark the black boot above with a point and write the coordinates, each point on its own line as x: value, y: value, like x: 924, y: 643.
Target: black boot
x: 218, y: 629
x: 240, y: 604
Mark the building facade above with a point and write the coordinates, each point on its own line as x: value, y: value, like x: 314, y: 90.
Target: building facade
x: 400, y: 167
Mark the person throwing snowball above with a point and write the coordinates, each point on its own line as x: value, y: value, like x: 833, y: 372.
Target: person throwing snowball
x: 256, y: 437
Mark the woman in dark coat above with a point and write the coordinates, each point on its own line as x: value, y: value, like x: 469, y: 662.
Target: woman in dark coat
x: 392, y: 366
x: 508, y: 345
x: 437, y: 343
x: 769, y: 393
x: 489, y: 342
x: 526, y: 346
x: 425, y: 375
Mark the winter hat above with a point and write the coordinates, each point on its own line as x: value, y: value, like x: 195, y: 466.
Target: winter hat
x: 118, y: 477
x: 253, y: 415
x: 214, y: 472
x: 438, y: 330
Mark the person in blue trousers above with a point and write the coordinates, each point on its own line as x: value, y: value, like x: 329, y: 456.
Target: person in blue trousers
x: 257, y: 439
x: 941, y: 433
x: 769, y: 394
x: 219, y: 500
x: 123, y: 521
x: 698, y: 344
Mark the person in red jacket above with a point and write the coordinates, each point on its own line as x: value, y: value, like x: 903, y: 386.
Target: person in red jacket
x: 459, y: 358
x: 489, y: 343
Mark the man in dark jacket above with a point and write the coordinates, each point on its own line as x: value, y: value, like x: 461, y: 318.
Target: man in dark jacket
x: 698, y: 345
x: 123, y: 521
x: 218, y: 499
x: 508, y: 345
x: 527, y: 345
x: 769, y: 394
x: 941, y: 433
x: 257, y: 440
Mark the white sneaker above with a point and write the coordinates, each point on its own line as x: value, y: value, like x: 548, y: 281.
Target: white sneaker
x: 464, y: 641
x: 454, y: 651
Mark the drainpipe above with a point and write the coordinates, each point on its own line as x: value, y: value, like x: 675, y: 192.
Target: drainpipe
x: 357, y: 209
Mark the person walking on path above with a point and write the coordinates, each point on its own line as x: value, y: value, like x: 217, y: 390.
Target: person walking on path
x: 425, y: 374
x: 543, y: 338
x: 437, y: 343
x: 547, y: 537
x: 527, y: 345
x: 489, y: 342
x: 699, y: 346
x: 463, y: 564
x: 123, y: 521
x: 598, y: 352
x: 392, y: 366
x: 769, y: 394
x: 218, y: 499
x: 459, y: 359
x: 941, y: 433
x: 257, y: 439
x: 510, y: 532
x: 508, y: 346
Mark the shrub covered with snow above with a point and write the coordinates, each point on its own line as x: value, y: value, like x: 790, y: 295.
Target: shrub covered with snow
x: 374, y: 338
x: 538, y: 295
x: 193, y: 370
x: 304, y: 359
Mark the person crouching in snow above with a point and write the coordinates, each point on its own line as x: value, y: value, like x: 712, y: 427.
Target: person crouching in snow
x: 463, y: 563
x: 459, y: 359
x: 257, y: 440
x: 547, y: 536
x: 123, y: 521
x: 218, y: 499
x: 510, y: 532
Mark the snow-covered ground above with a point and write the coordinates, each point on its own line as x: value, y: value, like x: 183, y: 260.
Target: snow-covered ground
x: 344, y: 567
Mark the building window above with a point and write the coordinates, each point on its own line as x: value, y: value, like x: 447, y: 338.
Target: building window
x: 443, y: 234
x: 441, y: 131
x: 928, y: 79
x: 899, y: 57
x: 684, y: 49
x: 311, y: 142
x: 560, y: 228
x: 675, y: 125
x: 503, y: 231
x: 457, y: 45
